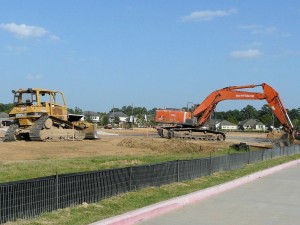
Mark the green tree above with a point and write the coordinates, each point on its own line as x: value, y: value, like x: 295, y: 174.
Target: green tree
x: 117, y: 120
x: 77, y: 110
x: 249, y: 112
x: 104, y: 119
x: 6, y: 107
x: 266, y: 115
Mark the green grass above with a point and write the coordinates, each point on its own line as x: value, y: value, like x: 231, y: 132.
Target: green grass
x: 46, y: 167
x: 88, y: 213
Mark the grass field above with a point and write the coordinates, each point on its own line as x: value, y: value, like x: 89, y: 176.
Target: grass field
x: 24, y: 160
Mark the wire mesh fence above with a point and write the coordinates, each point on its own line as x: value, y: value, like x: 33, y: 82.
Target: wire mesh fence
x: 26, y: 199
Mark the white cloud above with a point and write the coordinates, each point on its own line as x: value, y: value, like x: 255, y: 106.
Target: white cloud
x: 34, y: 77
x: 250, y: 53
x: 260, y: 29
x: 24, y: 31
x: 207, y: 15
x: 255, y: 45
x: 27, y: 31
x: 54, y: 38
x: 17, y: 49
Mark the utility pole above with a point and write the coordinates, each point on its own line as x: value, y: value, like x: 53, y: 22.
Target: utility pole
x: 132, y: 116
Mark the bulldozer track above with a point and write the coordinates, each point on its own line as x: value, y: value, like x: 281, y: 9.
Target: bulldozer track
x: 10, y: 133
x: 35, y: 133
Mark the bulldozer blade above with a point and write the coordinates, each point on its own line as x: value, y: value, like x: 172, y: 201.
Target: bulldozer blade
x: 91, y: 132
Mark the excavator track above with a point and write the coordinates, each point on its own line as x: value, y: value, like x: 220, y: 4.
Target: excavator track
x: 10, y: 133
x: 191, y: 133
x: 60, y: 131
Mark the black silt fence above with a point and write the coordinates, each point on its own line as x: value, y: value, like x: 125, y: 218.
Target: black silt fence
x: 191, y: 169
x: 219, y: 163
x: 153, y: 175
x: 26, y: 199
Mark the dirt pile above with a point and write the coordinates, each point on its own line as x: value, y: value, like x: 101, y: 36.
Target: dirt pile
x: 173, y: 145
x: 276, y: 134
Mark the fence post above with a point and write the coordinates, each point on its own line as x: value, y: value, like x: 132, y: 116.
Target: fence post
x: 229, y: 160
x: 210, y: 166
x: 130, y: 178
x: 271, y: 153
x: 56, y: 181
x: 178, y: 171
x: 294, y: 150
x: 248, y: 157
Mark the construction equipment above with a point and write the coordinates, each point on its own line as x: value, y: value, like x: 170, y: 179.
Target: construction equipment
x: 41, y: 115
x: 178, y: 123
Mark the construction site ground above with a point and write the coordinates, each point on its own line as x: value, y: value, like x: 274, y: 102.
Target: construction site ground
x: 118, y: 142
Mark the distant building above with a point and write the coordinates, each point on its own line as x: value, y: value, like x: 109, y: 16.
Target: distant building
x: 122, y: 117
x: 252, y: 124
x: 226, y: 125
x: 212, y: 124
x: 91, y: 116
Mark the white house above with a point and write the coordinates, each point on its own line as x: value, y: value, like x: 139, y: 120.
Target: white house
x: 226, y: 125
x: 252, y: 124
x: 122, y: 117
x: 91, y: 116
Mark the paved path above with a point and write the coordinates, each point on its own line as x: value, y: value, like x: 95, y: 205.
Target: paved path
x: 271, y: 200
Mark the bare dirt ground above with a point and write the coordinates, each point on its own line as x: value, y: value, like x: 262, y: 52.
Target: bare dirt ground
x: 139, y: 141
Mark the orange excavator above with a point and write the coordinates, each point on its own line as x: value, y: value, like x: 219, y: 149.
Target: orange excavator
x: 179, y: 123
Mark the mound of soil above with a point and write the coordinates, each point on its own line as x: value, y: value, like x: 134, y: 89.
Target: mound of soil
x: 169, y: 145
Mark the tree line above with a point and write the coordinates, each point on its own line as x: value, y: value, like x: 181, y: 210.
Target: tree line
x: 264, y: 114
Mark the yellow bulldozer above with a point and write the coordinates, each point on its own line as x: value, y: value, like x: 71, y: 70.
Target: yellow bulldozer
x: 41, y: 115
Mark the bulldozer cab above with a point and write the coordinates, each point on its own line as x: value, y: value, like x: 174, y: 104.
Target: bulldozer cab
x: 33, y: 102
x: 26, y: 98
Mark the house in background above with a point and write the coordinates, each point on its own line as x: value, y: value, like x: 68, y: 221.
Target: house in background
x: 252, y: 124
x: 211, y: 124
x: 123, y: 118
x: 226, y: 125
x: 91, y: 116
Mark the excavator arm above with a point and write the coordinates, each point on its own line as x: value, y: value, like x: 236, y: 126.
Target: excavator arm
x: 206, y: 108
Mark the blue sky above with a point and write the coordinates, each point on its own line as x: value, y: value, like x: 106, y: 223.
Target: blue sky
x: 149, y: 53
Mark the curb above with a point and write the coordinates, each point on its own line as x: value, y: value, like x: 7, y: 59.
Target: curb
x: 178, y: 202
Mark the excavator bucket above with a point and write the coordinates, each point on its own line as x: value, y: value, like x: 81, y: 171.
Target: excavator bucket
x: 280, y: 138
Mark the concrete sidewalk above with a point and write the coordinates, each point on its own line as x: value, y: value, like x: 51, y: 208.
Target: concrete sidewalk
x: 227, y: 210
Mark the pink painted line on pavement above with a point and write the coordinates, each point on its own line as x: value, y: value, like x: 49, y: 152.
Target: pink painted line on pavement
x: 175, y: 203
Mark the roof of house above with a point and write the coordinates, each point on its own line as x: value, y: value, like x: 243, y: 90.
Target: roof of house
x: 90, y: 113
x: 250, y: 122
x: 227, y: 123
x: 116, y: 114
x: 211, y: 122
